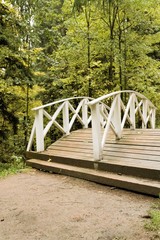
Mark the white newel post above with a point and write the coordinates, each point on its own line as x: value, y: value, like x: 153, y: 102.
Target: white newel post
x: 39, y: 130
x: 66, y: 117
x: 116, y: 118
x: 132, y: 112
x: 96, y: 132
x: 145, y: 108
x: 85, y: 113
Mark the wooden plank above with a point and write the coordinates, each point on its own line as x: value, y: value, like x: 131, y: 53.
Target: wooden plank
x: 131, y: 155
x: 69, y: 153
x: 133, y: 150
x: 107, y: 150
x: 140, y: 143
x: 86, y: 144
x: 132, y: 162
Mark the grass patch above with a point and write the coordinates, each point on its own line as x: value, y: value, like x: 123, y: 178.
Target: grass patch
x: 154, y: 221
x: 16, y: 165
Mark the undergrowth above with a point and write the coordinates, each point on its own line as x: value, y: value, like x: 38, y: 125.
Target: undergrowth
x: 154, y: 221
x: 14, y: 166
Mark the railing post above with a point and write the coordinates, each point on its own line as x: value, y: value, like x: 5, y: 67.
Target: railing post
x: 132, y: 112
x: 116, y: 118
x: 39, y: 130
x: 66, y: 118
x: 145, y: 108
x: 153, y: 118
x: 96, y: 132
x: 85, y: 113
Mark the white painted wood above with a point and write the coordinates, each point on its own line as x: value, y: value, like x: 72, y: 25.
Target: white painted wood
x: 39, y: 130
x: 119, y: 92
x: 89, y: 119
x: 59, y: 101
x: 102, y: 116
x: 76, y: 115
x: 145, y: 109
x: 116, y: 119
x: 47, y: 115
x: 112, y: 117
x: 63, y: 110
x: 85, y: 113
x: 109, y: 121
x: 153, y: 118
x: 139, y: 110
x: 127, y: 110
x: 132, y: 112
x: 123, y: 108
x: 96, y: 132
x: 29, y: 146
x: 66, y: 117
x: 50, y: 123
x: 138, y: 105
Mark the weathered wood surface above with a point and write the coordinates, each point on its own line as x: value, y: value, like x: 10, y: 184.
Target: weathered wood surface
x: 137, y: 147
x: 131, y: 183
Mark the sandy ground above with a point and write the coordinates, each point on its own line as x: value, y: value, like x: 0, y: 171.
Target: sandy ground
x: 43, y: 206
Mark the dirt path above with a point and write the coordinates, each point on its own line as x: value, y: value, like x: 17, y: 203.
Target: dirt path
x: 42, y: 206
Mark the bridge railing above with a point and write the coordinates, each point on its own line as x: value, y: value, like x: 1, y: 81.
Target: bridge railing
x: 66, y: 112
x: 136, y: 108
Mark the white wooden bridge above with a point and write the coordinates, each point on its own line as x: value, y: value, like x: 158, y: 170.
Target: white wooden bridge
x: 105, y: 140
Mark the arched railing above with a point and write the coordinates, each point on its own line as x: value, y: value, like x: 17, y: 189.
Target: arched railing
x: 117, y: 115
x: 67, y: 112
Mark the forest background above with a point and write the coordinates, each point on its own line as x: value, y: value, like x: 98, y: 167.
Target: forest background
x: 56, y: 49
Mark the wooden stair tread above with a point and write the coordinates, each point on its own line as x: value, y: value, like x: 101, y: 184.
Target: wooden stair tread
x: 127, y: 182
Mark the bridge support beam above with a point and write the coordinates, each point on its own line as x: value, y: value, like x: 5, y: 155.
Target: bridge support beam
x: 96, y: 132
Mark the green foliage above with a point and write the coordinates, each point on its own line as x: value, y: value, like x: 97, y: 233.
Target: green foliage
x: 16, y: 165
x: 16, y: 77
x: 154, y: 223
x: 72, y: 48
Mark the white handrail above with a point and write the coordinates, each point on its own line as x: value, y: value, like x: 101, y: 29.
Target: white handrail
x: 112, y: 117
x: 59, y: 101
x: 116, y: 118
x: 68, y: 114
x: 100, y: 99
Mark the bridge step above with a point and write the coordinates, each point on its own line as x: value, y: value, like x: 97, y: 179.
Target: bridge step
x: 151, y: 171
x: 131, y: 183
x: 135, y: 156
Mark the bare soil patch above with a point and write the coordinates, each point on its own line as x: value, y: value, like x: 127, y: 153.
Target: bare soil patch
x: 43, y: 206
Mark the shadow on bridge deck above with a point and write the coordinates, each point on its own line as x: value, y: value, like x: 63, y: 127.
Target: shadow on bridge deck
x: 131, y: 163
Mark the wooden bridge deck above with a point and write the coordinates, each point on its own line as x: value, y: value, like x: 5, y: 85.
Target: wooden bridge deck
x: 136, y: 154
